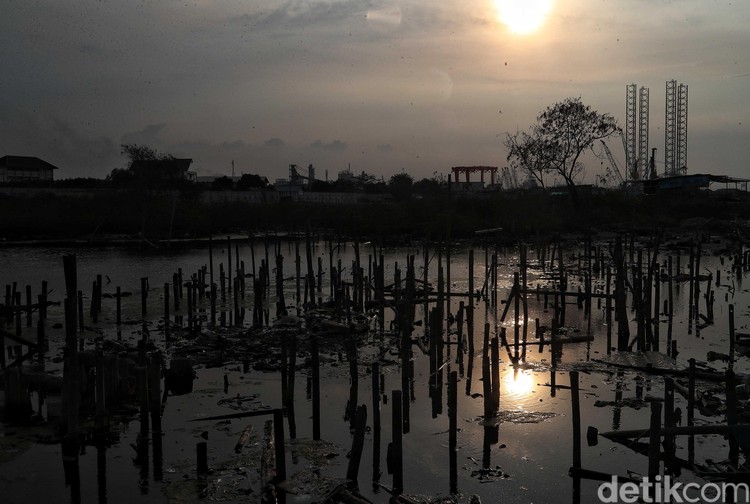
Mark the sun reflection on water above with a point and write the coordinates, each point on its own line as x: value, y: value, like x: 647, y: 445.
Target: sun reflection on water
x: 517, y: 383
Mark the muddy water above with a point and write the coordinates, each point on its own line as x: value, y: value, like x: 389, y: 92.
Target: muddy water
x: 521, y: 456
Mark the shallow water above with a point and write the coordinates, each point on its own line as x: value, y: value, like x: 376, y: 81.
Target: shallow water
x: 529, y: 459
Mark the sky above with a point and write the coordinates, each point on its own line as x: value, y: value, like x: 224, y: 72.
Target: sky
x: 385, y: 87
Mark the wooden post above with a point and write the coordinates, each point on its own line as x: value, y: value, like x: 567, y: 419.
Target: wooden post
x: 213, y: 304
x: 154, y: 371
x: 100, y: 395
x: 731, y: 395
x: 315, y: 387
x: 166, y: 310
x: 358, y: 443
x: 176, y: 291
x: 375, y: 395
x: 691, y: 409
x: 669, y: 422
x: 471, y: 277
x: 731, y: 336
x: 202, y: 453
x: 453, y: 429
x: 70, y: 373
x: 495, y: 356
x: 143, y: 397
x: 79, y: 304
x: 2, y: 350
x: 43, y: 301
x: 229, y: 264
x: 576, y: 415
x: 310, y: 270
x: 397, y: 466
x: 654, y: 447
x: 41, y: 342
x: 144, y: 296
x: 608, y: 307
x: 28, y: 306
x: 278, y: 434
x: 280, y: 303
x: 487, y: 387
x: 516, y: 314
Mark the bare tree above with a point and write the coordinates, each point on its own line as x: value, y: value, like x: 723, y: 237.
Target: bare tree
x: 554, y: 146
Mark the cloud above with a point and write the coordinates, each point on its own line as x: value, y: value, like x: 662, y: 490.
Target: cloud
x: 150, y: 136
x: 274, y: 142
x: 335, y: 146
x: 385, y: 147
x: 60, y: 142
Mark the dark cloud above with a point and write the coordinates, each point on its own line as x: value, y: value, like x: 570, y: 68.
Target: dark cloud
x: 385, y: 147
x: 335, y: 146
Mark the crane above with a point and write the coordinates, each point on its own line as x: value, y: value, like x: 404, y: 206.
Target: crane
x: 612, y: 161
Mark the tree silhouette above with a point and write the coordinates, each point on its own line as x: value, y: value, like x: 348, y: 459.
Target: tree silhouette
x: 555, y: 144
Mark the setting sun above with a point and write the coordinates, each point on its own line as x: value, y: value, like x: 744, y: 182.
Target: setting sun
x: 523, y: 16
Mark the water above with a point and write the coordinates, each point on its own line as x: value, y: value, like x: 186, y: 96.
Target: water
x: 528, y: 449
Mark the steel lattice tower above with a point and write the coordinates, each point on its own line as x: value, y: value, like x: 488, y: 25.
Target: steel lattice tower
x: 643, y: 131
x: 670, y: 129
x: 681, y: 143
x: 631, y: 169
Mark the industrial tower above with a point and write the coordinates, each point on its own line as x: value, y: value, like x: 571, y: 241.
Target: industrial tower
x: 675, y: 129
x: 636, y: 127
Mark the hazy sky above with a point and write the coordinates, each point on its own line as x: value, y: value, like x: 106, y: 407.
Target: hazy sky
x: 383, y: 86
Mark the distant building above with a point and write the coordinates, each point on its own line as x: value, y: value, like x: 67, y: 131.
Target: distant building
x: 24, y: 168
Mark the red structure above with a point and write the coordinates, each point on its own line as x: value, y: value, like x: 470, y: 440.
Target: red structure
x: 468, y: 170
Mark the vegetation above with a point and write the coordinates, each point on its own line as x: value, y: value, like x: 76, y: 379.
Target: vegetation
x: 521, y: 215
